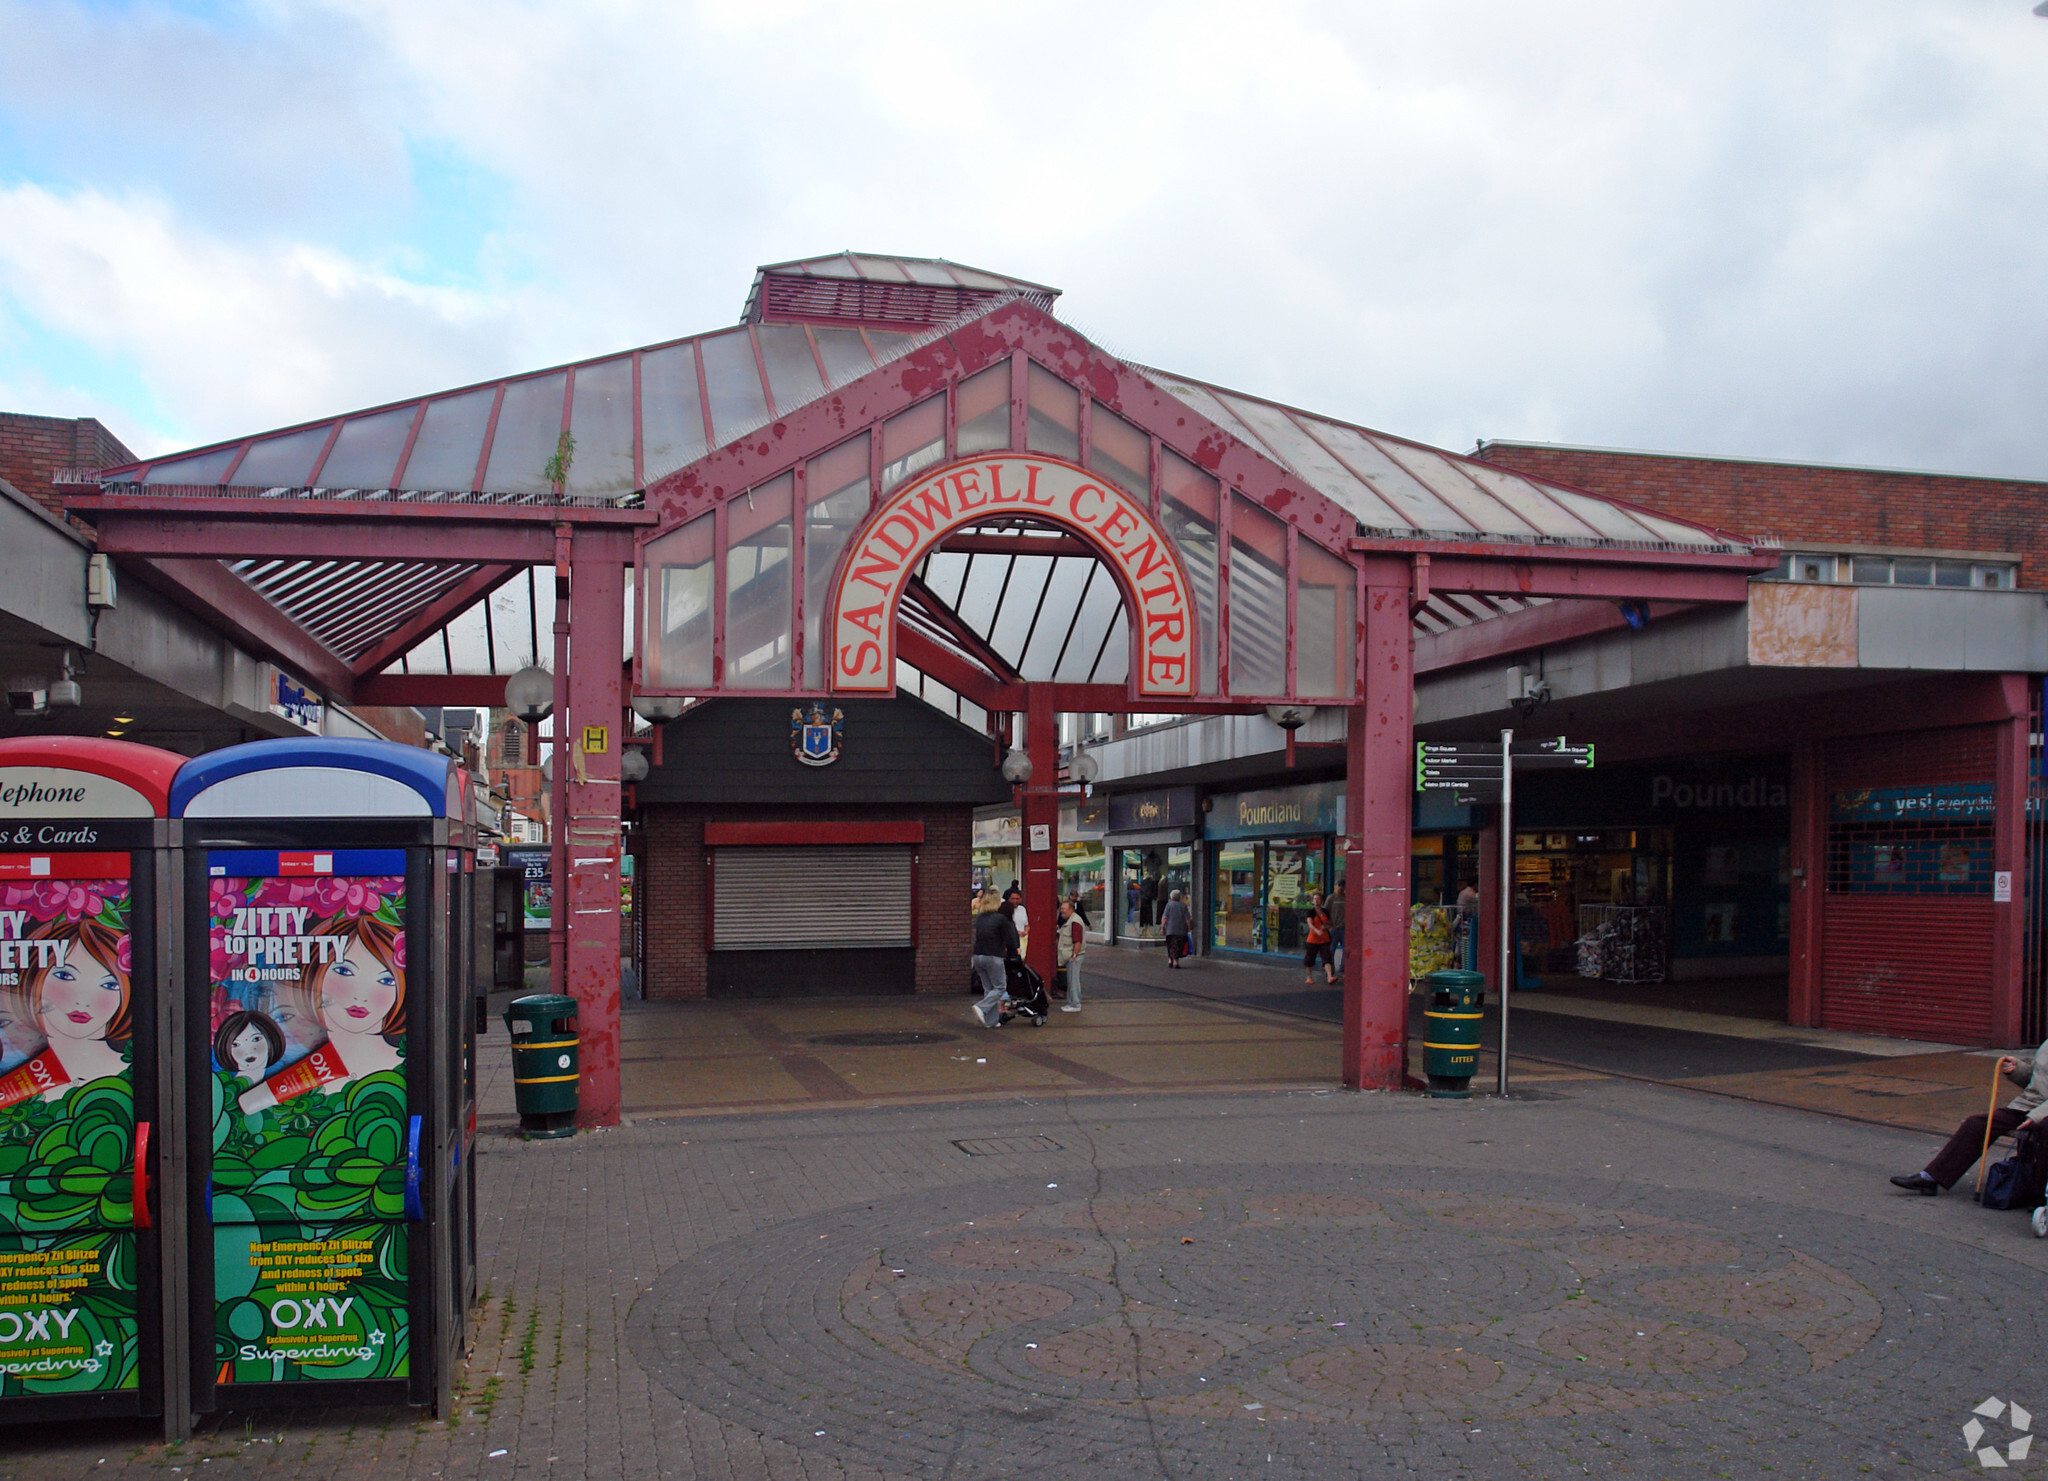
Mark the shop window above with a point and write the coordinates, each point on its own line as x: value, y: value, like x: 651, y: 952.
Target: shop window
x: 913, y: 440
x: 1188, y: 511
x: 1294, y: 877
x: 1053, y: 422
x: 1258, y: 600
x: 836, y: 499
x: 757, y: 592
x: 1120, y: 452
x: 982, y: 410
x: 677, y: 579
x: 1234, y: 909
x: 1149, y: 876
x: 1324, y: 626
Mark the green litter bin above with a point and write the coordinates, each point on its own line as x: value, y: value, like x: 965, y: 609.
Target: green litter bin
x: 1450, y: 1031
x: 545, y: 1063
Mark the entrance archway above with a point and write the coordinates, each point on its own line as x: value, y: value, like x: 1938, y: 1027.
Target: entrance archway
x: 913, y: 521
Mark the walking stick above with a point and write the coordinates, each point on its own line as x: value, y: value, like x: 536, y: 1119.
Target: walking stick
x: 1984, y: 1157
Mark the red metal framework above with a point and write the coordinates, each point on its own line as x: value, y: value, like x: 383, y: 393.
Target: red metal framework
x: 735, y: 471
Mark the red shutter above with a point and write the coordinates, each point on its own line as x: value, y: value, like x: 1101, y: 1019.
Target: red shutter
x: 1912, y: 966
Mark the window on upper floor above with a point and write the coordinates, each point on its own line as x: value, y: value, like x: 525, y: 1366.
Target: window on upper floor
x: 1895, y: 570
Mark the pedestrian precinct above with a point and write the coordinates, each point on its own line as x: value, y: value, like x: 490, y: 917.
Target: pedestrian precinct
x: 1968, y: 1144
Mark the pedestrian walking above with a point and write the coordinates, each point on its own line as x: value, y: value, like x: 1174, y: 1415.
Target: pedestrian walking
x: 1318, y: 948
x: 995, y: 941
x: 1176, y: 924
x: 1073, y: 945
x: 1013, y: 906
x: 1974, y: 1137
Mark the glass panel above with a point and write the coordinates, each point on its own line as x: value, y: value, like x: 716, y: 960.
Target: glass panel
x: 602, y: 423
x: 1994, y: 577
x: 365, y: 455
x: 1258, y: 600
x: 1294, y: 877
x: 1912, y: 571
x: 282, y: 462
x: 1100, y: 611
x: 1027, y: 579
x: 1873, y: 568
x: 836, y: 490
x: 671, y: 411
x: 1234, y: 914
x: 678, y: 586
x: 880, y: 270
x: 1952, y: 573
x: 1056, y: 616
x: 451, y: 438
x: 1189, y: 513
x: 792, y: 372
x: 888, y: 344
x: 1324, y: 629
x: 733, y: 382
x: 757, y: 595
x: 843, y: 353
x: 983, y: 414
x: 206, y: 468
x: 1054, y: 421
x: 1120, y: 451
x: 529, y: 430
x: 912, y: 440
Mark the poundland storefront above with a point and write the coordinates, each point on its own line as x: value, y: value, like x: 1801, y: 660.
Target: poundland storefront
x: 1270, y: 851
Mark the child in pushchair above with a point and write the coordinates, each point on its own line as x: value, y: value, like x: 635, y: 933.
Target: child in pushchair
x: 1026, y: 995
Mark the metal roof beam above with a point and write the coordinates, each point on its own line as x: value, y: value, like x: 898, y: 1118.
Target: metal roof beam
x: 1557, y: 574
x: 217, y: 594
x: 443, y: 609
x: 468, y: 534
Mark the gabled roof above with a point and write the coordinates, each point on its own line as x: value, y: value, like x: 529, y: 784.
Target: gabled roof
x: 872, y: 288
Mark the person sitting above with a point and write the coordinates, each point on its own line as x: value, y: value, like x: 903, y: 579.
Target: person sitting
x: 1968, y: 1143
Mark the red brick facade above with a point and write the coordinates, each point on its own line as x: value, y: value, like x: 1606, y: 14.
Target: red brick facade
x: 1793, y: 501
x: 673, y: 889
x: 32, y: 449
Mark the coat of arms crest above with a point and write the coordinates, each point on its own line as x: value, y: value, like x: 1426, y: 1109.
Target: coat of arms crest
x: 815, y: 736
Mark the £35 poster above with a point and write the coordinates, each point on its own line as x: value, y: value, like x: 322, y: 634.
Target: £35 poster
x: 308, y: 1010
x: 67, y: 1125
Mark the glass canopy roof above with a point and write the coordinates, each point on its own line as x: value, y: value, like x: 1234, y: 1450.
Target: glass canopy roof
x: 635, y: 417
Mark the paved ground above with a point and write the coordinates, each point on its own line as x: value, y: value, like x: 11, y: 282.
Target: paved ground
x: 1058, y: 1277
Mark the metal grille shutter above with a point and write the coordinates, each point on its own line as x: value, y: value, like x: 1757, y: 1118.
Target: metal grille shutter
x: 1915, y: 967
x: 784, y: 899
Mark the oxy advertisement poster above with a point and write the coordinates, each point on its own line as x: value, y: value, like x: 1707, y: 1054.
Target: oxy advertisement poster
x: 308, y: 1016
x: 67, y: 1126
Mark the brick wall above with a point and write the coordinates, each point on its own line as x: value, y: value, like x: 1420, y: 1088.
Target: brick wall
x: 673, y: 891
x: 1844, y: 506
x: 32, y: 449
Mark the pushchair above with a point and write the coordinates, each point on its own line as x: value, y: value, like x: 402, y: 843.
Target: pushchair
x: 1026, y: 994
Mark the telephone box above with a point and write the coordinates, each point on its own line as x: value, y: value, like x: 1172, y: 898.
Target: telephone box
x: 87, y: 868
x: 331, y: 1063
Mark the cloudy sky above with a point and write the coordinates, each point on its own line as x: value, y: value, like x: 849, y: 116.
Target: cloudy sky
x: 1814, y: 230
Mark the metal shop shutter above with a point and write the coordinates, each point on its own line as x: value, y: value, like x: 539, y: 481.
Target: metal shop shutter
x: 782, y: 899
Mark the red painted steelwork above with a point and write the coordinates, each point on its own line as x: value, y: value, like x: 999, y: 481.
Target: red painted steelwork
x: 2009, y: 856
x: 799, y: 835
x: 452, y: 603
x: 1808, y: 864
x: 219, y: 595
x: 1603, y: 580
x: 1041, y: 809
x: 1380, y: 766
x: 597, y: 593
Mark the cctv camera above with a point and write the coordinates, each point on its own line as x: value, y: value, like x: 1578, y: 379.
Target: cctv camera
x: 27, y: 698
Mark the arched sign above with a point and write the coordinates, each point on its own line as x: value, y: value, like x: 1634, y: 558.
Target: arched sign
x: 914, y: 519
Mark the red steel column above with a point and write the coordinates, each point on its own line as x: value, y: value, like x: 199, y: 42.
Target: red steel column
x: 597, y: 652
x: 2009, y: 857
x: 1380, y: 754
x: 1042, y: 810
x: 1809, y: 868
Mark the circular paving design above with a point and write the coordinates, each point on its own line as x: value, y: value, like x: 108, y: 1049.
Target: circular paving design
x: 1011, y: 1327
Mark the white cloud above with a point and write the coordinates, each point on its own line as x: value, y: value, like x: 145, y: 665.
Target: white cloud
x: 1807, y: 231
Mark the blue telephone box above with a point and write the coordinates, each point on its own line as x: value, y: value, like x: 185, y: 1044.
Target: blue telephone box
x: 330, y: 1062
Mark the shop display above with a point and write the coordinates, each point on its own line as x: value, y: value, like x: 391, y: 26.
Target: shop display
x: 1432, y: 940
x: 1626, y: 943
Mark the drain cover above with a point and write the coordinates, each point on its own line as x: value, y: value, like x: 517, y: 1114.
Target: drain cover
x: 884, y: 1039
x: 1007, y: 1146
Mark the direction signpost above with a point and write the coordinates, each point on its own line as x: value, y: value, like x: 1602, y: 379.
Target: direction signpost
x: 1476, y: 772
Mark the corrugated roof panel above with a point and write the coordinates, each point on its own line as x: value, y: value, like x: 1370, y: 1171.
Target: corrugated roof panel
x: 602, y: 424
x: 1314, y: 462
x: 844, y: 353
x: 365, y: 455
x: 1416, y: 503
x: 671, y: 410
x: 1479, y: 508
x: 529, y: 431
x: 201, y: 468
x: 792, y: 369
x: 444, y: 455
x: 282, y: 462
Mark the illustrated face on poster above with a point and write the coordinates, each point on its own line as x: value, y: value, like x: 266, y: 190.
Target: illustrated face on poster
x: 67, y: 1123
x: 65, y: 961
x: 309, y: 1033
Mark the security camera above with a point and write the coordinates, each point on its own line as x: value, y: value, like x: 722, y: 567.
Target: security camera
x: 28, y: 698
